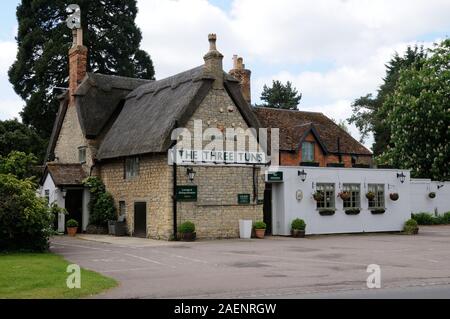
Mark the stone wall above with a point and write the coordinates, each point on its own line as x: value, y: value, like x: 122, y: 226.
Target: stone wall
x: 217, y: 213
x: 153, y: 186
x: 70, y: 139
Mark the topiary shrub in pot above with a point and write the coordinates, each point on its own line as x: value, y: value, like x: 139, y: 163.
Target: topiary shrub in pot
x: 72, y: 227
x: 411, y: 227
x: 260, y: 229
x: 187, y: 232
x: 298, y: 227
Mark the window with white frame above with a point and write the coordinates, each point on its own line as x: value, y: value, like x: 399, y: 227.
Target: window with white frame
x: 82, y: 154
x: 354, y: 200
x: 378, y: 200
x: 307, y: 152
x: 327, y: 199
x: 131, y: 167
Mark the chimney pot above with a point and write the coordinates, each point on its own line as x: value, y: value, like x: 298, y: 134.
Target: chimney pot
x: 243, y: 75
x: 213, y: 62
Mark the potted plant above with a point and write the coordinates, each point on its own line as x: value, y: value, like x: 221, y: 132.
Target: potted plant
x: 344, y: 195
x: 187, y: 231
x: 394, y: 196
x: 318, y: 196
x: 411, y: 227
x: 260, y: 229
x: 432, y: 195
x: 370, y: 195
x: 298, y: 227
x: 72, y: 227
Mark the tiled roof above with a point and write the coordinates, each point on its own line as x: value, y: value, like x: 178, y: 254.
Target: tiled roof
x: 296, y: 125
x: 66, y: 174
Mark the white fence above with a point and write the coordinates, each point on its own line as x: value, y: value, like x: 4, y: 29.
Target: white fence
x: 293, y: 198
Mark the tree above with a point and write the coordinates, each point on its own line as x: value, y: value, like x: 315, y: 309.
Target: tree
x: 25, y: 219
x: 17, y: 136
x: 19, y: 164
x: 110, y: 33
x: 417, y: 114
x: 281, y: 96
x: 367, y: 112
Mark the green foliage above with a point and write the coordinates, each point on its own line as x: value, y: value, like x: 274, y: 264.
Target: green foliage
x: 411, y: 222
x: 186, y: 228
x: 15, y: 136
x: 429, y: 219
x: 72, y: 223
x: 419, y: 118
x: 281, y: 96
x: 368, y: 114
x: 260, y: 225
x: 103, y: 210
x: 25, y: 219
x: 101, y: 204
x: 298, y: 224
x: 110, y: 33
x: 19, y: 164
x: 411, y: 227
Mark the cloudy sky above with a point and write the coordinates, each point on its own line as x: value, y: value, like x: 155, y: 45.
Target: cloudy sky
x: 332, y: 50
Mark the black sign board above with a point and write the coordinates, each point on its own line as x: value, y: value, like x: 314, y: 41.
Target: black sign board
x: 187, y: 193
x: 275, y: 177
x: 243, y: 199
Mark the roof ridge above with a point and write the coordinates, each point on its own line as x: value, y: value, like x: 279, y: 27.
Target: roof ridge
x: 286, y: 110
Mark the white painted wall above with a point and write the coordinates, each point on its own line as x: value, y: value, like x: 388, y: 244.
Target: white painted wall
x: 286, y: 207
x: 55, y: 195
x: 420, y: 202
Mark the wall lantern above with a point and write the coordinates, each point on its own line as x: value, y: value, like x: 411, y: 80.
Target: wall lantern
x: 302, y: 174
x: 191, y: 174
x: 63, y: 192
x: 402, y: 177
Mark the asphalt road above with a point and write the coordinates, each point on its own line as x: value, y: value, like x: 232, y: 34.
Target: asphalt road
x: 317, y: 267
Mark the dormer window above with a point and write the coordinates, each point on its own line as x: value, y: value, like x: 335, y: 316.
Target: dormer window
x: 307, y: 152
x: 82, y: 154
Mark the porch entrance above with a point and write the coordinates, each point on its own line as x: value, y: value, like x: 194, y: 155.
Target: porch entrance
x: 74, y: 207
x: 140, y: 220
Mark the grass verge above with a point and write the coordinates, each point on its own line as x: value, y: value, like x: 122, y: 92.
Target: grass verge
x: 43, y: 276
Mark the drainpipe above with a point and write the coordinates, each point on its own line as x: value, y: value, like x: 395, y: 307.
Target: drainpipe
x: 175, y: 198
x: 339, y: 149
x: 174, y: 195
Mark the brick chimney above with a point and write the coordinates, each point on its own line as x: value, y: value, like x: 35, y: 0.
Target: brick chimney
x: 243, y: 75
x: 77, y: 63
x: 213, y: 62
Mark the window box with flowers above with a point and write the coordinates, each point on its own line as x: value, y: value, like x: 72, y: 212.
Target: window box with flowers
x: 325, y: 202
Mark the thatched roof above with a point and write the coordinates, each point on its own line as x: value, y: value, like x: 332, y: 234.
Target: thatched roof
x: 99, y: 96
x: 98, y: 99
x: 154, y: 110
x: 296, y: 125
x: 65, y: 174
